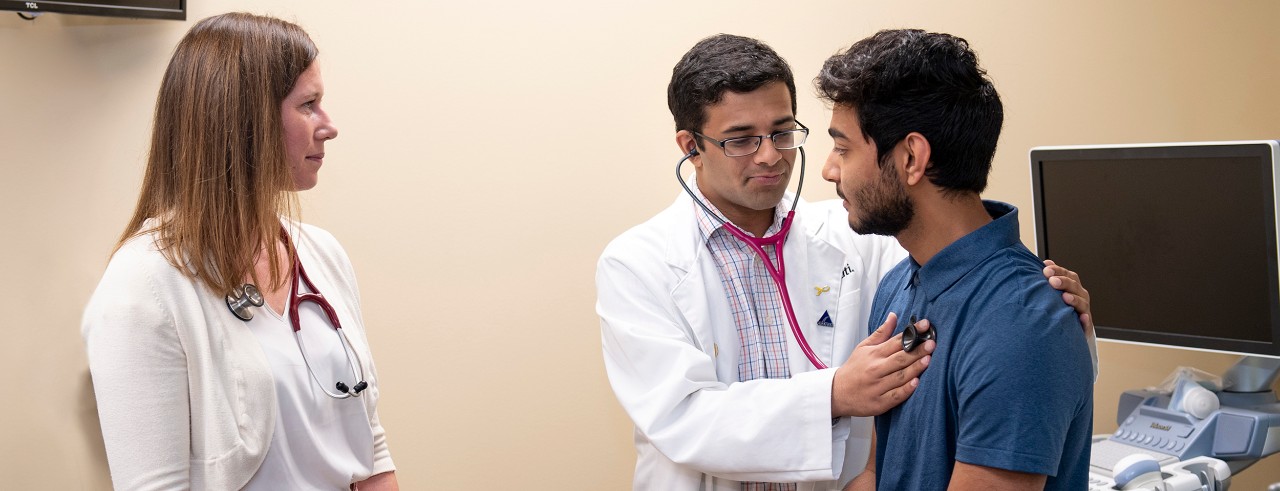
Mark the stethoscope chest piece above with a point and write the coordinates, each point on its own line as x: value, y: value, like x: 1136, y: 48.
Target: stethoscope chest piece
x: 913, y: 338
x: 241, y: 298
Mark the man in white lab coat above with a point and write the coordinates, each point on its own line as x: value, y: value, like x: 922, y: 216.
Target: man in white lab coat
x: 696, y: 342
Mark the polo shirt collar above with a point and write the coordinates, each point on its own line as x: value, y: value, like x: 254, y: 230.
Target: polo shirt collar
x: 962, y: 256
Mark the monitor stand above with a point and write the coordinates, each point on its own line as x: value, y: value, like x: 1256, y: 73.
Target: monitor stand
x: 1251, y: 374
x: 1247, y: 384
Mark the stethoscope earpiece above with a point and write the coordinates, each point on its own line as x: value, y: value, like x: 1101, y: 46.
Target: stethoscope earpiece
x: 241, y: 298
x: 355, y: 391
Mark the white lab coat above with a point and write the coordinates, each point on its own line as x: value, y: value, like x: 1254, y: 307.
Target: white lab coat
x: 671, y: 353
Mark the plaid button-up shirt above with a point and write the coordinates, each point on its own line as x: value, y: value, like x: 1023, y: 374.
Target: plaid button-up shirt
x: 754, y: 302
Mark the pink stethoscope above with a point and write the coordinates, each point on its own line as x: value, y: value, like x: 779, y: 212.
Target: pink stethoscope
x: 779, y: 273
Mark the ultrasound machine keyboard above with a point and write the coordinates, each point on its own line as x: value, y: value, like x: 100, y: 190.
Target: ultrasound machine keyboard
x: 1099, y: 482
x: 1105, y: 454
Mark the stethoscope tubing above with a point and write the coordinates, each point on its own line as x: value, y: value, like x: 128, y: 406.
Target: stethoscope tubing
x: 778, y: 273
x: 314, y: 296
x: 349, y: 351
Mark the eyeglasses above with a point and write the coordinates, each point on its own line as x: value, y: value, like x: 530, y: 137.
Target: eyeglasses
x: 746, y: 145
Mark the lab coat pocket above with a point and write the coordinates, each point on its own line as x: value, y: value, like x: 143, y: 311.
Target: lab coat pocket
x: 850, y: 320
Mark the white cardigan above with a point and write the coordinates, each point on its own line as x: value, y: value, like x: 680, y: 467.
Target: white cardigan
x: 185, y: 396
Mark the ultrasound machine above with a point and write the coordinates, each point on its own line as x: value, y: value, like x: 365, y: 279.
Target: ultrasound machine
x: 1177, y: 244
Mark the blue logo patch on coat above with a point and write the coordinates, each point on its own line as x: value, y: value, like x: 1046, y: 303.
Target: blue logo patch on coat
x: 825, y: 321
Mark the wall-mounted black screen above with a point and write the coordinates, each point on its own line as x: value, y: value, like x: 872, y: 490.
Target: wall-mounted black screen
x: 1176, y: 243
x: 146, y: 9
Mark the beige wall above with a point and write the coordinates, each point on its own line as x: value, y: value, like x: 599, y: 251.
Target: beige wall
x: 489, y: 150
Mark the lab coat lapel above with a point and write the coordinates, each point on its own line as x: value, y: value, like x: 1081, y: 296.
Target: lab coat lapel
x: 703, y: 302
x: 812, y: 265
x: 700, y: 294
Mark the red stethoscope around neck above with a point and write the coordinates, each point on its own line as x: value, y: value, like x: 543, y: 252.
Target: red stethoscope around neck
x: 778, y: 273
x: 244, y: 296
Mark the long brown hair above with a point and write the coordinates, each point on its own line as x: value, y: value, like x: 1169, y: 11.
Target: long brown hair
x: 216, y: 179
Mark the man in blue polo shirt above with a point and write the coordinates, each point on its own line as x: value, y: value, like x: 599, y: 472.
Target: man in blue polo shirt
x: 1007, y: 400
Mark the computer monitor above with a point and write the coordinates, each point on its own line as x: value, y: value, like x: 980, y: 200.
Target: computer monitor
x: 1176, y: 242
x: 142, y: 9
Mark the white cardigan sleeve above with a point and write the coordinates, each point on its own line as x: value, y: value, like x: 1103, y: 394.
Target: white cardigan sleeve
x: 334, y: 258
x: 381, y: 452
x: 139, y: 372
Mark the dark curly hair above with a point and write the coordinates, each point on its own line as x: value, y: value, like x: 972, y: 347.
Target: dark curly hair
x: 909, y: 80
x: 720, y: 63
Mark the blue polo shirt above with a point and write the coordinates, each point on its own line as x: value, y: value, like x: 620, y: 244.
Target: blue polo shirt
x: 1010, y: 384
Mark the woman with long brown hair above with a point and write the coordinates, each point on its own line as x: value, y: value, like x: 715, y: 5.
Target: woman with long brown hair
x: 225, y: 339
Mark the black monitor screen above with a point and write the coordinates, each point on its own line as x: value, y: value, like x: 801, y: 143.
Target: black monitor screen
x: 149, y: 9
x: 1176, y: 244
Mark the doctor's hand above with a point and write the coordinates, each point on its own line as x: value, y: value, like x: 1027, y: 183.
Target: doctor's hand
x: 879, y: 374
x: 1073, y: 292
